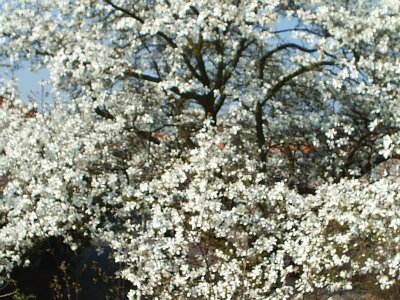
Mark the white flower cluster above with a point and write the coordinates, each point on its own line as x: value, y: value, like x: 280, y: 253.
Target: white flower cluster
x: 224, y: 150
x: 215, y: 231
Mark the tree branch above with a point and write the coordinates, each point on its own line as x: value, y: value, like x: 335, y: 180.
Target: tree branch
x: 143, y: 76
x: 238, y: 54
x: 103, y: 112
x: 277, y: 49
x: 258, y: 111
x: 125, y: 11
x: 289, y: 77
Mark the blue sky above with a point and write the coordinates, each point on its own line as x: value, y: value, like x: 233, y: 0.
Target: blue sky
x: 29, y: 83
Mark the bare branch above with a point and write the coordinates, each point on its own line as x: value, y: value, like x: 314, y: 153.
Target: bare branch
x: 277, y: 49
x: 289, y: 77
x: 143, y: 76
x: 125, y: 11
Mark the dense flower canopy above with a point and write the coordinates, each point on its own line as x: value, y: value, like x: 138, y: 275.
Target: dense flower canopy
x: 223, y: 149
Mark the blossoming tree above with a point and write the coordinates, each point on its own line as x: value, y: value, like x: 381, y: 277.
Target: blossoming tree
x: 223, y: 149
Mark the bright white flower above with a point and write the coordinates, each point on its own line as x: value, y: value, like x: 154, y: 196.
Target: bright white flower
x: 210, y: 144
